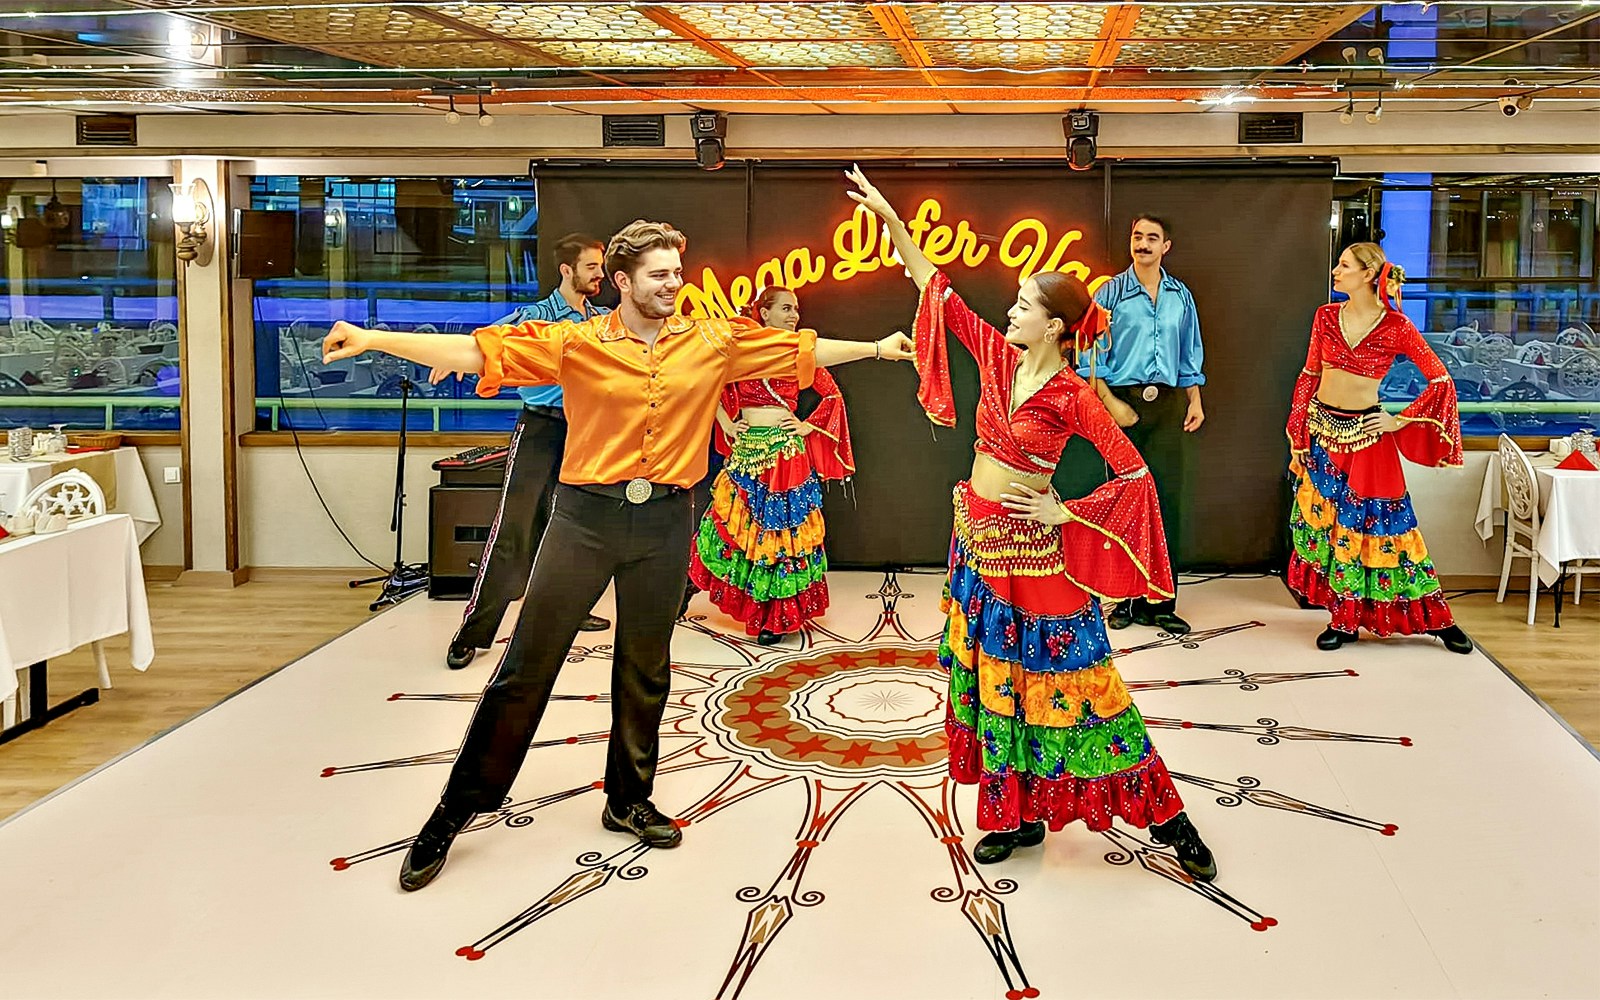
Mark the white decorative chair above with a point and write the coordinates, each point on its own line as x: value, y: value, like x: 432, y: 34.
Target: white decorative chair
x: 73, y: 493
x: 1522, y: 519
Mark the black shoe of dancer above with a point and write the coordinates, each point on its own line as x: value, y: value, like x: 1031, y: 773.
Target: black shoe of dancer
x: 1454, y: 639
x: 688, y: 595
x: 1180, y: 834
x: 594, y: 623
x: 1121, y: 615
x: 430, y: 848
x: 1168, y: 621
x: 645, y: 821
x: 1331, y: 638
x: 459, y: 655
x: 767, y: 638
x: 997, y: 846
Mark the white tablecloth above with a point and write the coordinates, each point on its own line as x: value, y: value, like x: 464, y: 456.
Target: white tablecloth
x: 67, y: 589
x: 134, y: 497
x: 1569, y: 512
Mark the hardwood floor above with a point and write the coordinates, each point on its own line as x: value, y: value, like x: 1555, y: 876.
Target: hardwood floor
x: 211, y: 643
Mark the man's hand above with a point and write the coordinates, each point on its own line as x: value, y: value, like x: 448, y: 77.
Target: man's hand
x: 437, y: 375
x: 897, y: 347
x: 1195, y: 417
x: 345, y: 340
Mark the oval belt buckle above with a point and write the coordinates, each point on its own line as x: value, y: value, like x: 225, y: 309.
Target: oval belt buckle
x: 638, y: 490
x: 1150, y: 393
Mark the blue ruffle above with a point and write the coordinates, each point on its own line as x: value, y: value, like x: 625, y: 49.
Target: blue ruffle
x: 778, y: 510
x: 1041, y: 643
x: 1391, y: 516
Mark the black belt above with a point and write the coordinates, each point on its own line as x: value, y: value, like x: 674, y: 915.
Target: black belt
x: 634, y: 491
x: 540, y: 410
x: 1146, y: 391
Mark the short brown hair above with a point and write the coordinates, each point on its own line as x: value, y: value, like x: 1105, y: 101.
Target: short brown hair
x: 571, y: 246
x: 635, y: 240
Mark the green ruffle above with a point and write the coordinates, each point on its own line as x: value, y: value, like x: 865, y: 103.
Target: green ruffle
x: 1407, y: 581
x: 762, y: 581
x: 1091, y: 750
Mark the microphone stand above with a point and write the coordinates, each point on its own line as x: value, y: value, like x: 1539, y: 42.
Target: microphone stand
x: 402, y: 580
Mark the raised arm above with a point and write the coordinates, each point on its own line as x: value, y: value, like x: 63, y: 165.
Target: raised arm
x: 526, y: 354
x: 868, y: 196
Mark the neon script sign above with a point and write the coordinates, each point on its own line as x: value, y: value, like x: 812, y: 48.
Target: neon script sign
x: 861, y: 245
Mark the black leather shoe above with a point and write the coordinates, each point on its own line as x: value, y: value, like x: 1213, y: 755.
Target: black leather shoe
x: 430, y: 848
x: 1331, y: 638
x: 594, y: 623
x: 1454, y: 639
x: 1180, y: 834
x: 1141, y: 612
x: 645, y: 821
x: 460, y: 655
x: 1121, y: 615
x: 996, y: 847
x: 767, y: 638
x: 1167, y: 621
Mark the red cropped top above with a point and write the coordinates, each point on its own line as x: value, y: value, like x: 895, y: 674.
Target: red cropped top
x: 828, y: 446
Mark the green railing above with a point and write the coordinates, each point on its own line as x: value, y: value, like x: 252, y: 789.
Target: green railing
x: 108, y: 405
x: 275, y: 405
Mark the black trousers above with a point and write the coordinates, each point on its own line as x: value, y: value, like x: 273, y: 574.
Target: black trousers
x: 1161, y: 441
x: 533, y: 467
x: 590, y: 541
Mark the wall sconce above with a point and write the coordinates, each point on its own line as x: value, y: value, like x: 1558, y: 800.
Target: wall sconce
x: 191, y: 213
x: 8, y: 226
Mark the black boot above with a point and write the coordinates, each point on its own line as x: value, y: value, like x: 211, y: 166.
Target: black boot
x: 1331, y: 638
x: 1180, y: 834
x: 997, y: 846
x: 1454, y: 639
x: 1121, y: 615
x: 428, y: 851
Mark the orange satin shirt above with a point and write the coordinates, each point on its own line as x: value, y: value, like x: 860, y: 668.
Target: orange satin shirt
x: 638, y: 411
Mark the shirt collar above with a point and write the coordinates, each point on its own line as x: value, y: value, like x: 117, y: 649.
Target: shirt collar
x: 558, y: 303
x: 1130, y: 282
x: 613, y: 329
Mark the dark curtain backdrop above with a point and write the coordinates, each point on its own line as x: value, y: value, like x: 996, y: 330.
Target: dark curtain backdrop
x: 1251, y: 245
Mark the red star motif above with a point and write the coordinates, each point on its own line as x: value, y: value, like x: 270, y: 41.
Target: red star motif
x: 806, y: 669
x: 856, y: 753
x: 910, y: 752
x: 807, y: 747
x: 767, y: 734
x: 754, y: 714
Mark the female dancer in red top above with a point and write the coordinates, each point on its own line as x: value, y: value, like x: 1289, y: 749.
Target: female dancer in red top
x: 1038, y: 716
x: 1357, y: 550
x: 759, y: 551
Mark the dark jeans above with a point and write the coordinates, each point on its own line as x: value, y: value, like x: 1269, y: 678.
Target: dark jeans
x: 532, y: 468
x: 590, y: 541
x: 1161, y: 441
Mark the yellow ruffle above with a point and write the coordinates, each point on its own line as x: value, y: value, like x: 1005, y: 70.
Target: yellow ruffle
x: 1056, y: 700
x: 1372, y: 551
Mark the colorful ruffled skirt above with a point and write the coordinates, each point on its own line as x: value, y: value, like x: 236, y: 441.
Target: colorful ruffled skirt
x: 1038, y: 716
x: 758, y: 553
x: 1357, y: 549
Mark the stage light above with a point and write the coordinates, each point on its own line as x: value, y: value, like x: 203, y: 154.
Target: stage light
x: 1080, y: 129
x: 484, y: 118
x: 1348, y: 115
x: 710, y: 129
x: 452, y: 117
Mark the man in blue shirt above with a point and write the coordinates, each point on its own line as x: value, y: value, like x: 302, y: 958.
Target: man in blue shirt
x: 533, y: 465
x: 1150, y: 378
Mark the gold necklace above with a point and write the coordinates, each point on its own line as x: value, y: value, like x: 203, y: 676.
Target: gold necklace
x: 1016, y: 386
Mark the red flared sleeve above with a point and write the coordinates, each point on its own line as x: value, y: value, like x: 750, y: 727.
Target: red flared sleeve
x: 1430, y: 431
x: 1305, y: 389
x: 939, y: 310
x: 728, y: 402
x: 1114, y: 542
x: 828, y: 445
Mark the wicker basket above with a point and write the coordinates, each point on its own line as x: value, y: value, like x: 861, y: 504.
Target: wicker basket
x: 100, y: 440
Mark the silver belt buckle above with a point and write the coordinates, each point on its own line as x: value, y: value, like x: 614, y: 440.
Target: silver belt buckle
x: 1150, y: 393
x: 638, y: 490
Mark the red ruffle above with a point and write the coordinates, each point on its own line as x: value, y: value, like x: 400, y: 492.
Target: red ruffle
x: 1141, y: 796
x: 1403, y: 617
x: 782, y: 616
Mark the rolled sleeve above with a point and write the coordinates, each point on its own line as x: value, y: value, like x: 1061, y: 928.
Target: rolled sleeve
x: 526, y: 354
x: 766, y: 352
x: 1191, y: 352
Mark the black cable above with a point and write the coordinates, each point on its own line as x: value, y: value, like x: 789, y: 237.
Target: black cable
x: 288, y: 421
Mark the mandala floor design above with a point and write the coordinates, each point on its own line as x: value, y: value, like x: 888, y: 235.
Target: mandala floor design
x: 1378, y: 815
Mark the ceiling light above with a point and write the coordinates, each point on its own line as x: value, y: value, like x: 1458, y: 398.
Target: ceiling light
x: 452, y: 117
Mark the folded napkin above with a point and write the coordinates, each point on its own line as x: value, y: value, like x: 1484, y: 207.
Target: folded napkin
x: 1576, y: 460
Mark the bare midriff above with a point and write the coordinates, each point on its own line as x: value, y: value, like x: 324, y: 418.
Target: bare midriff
x: 990, y: 479
x: 1347, y: 390
x: 766, y: 416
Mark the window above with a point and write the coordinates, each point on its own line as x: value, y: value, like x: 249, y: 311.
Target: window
x: 427, y: 255
x: 1501, y: 281
x: 88, y: 304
